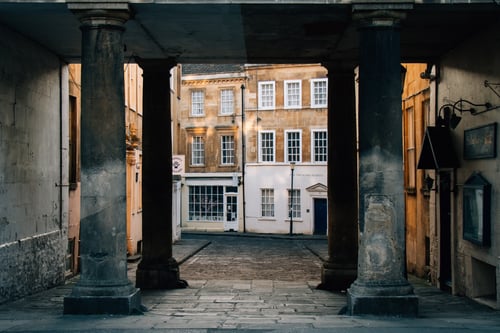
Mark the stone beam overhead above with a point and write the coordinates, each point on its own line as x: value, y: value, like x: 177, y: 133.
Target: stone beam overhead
x: 298, y: 31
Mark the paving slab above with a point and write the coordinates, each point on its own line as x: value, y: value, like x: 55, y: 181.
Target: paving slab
x: 247, y: 302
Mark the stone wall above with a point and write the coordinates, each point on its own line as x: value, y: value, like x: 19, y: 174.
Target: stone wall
x: 31, y: 264
x: 33, y: 165
x: 464, y: 71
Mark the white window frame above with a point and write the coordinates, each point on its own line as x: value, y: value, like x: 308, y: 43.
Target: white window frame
x: 313, y: 146
x: 295, y: 207
x: 197, y: 106
x: 273, y: 147
x: 411, y: 157
x: 227, y: 154
x: 314, y: 103
x: 272, y: 104
x: 287, y: 159
x: 267, y: 207
x: 288, y: 102
x: 226, y: 102
x: 198, y: 146
x: 206, y: 203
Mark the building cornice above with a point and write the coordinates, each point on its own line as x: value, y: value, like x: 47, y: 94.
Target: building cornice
x: 212, y: 81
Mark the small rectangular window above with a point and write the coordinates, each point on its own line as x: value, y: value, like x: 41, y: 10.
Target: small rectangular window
x: 319, y: 93
x: 226, y: 102
x: 319, y: 146
x: 266, y: 95
x: 411, y: 162
x: 197, y: 151
x: 293, y: 146
x: 267, y: 202
x: 294, y: 203
x: 227, y: 149
x: 197, y: 103
x: 293, y: 94
x: 266, y: 146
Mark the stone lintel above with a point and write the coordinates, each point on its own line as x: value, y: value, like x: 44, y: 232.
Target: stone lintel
x: 98, y: 5
x: 382, y: 6
x: 400, y: 306
x: 125, y: 305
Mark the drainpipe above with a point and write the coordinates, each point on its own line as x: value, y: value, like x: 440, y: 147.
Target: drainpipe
x: 60, y: 146
x: 243, y: 154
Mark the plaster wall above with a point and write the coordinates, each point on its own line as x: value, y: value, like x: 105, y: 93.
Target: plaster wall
x: 33, y: 166
x: 463, y: 73
x: 278, y: 177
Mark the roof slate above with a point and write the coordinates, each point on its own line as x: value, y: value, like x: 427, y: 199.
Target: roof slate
x: 188, y: 69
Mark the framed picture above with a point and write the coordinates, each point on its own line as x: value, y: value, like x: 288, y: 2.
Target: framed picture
x: 480, y: 142
x: 476, y: 210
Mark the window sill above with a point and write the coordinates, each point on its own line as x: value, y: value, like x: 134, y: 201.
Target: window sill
x: 266, y: 219
x: 294, y: 220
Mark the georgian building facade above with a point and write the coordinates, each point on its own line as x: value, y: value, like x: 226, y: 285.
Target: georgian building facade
x: 209, y: 119
x: 283, y: 123
x: 286, y: 126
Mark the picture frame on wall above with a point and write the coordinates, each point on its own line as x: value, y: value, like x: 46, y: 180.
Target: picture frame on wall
x: 480, y: 142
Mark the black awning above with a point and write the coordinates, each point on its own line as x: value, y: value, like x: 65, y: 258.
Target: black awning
x: 437, y: 150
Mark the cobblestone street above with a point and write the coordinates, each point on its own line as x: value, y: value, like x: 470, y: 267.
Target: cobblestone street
x: 231, y: 257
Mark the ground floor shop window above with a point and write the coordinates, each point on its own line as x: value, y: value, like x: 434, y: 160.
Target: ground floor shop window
x: 206, y: 203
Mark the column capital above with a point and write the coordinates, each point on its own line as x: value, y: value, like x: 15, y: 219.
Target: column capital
x: 339, y: 67
x: 379, y: 18
x: 156, y: 65
x: 99, y: 14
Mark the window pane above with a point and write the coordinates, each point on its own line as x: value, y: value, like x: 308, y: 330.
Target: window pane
x: 267, y: 147
x: 410, y: 148
x: 197, y: 103
x: 293, y: 147
x: 206, y: 203
x: 293, y: 94
x: 319, y: 93
x: 198, y: 151
x: 320, y: 146
x: 227, y: 149
x: 266, y: 95
x: 226, y: 101
x: 267, y: 202
x: 294, y: 203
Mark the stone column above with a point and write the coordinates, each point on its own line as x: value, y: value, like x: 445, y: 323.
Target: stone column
x: 339, y: 271
x: 103, y: 286
x: 157, y: 269
x: 381, y: 287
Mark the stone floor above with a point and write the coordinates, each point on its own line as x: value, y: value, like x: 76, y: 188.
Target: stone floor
x: 228, y: 290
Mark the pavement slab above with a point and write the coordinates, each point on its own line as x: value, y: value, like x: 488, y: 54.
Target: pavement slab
x: 239, y: 296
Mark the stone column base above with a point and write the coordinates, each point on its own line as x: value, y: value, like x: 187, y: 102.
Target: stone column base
x: 159, y: 276
x: 400, y: 306
x: 126, y: 305
x: 336, y: 278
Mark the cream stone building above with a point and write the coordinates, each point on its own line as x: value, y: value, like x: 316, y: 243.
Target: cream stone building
x: 238, y: 164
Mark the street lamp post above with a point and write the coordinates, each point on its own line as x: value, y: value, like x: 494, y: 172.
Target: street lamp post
x: 292, y: 168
